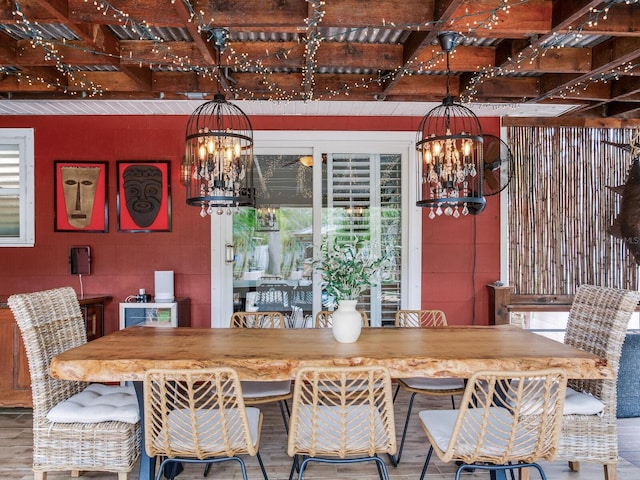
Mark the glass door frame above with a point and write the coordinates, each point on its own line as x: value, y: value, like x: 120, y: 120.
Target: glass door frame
x: 316, y: 143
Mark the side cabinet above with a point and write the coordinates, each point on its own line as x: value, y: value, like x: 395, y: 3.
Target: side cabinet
x: 15, y: 383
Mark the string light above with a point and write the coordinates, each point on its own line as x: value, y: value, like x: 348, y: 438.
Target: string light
x: 166, y: 59
x: 532, y: 53
x: 52, y: 54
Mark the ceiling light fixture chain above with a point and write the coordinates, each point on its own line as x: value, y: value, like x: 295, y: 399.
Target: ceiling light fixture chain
x: 449, y: 144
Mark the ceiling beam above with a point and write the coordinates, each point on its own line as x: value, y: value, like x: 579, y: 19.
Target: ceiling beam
x: 418, y: 40
x: 607, y: 57
x: 97, y: 37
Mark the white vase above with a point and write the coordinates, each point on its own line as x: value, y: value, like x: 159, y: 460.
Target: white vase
x: 346, y: 322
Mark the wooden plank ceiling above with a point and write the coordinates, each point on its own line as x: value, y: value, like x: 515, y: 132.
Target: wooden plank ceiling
x: 584, y: 52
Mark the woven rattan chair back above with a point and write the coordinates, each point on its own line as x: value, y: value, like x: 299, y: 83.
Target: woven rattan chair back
x: 437, y: 387
x: 199, y: 415
x: 420, y: 318
x: 324, y: 319
x: 515, y: 407
x: 257, y: 320
x: 257, y: 392
x: 598, y: 322
x: 341, y: 412
x: 504, y: 418
x: 51, y: 322
x: 195, y: 414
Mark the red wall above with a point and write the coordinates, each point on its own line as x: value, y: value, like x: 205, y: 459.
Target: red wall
x: 122, y: 263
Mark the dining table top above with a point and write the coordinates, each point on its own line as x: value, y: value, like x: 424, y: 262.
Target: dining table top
x: 278, y: 353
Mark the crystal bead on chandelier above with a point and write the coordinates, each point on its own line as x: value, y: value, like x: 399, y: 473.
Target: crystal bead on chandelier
x: 449, y: 144
x: 218, y: 165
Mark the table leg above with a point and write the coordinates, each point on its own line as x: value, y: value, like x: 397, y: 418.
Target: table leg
x: 147, y: 464
x: 498, y: 474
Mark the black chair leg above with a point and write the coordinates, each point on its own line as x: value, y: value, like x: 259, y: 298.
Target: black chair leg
x: 294, y: 467
x: 426, y: 463
x: 380, y: 474
x: 395, y: 460
x: 264, y: 472
x: 172, y: 470
x: 382, y: 468
x: 498, y: 472
x: 284, y: 411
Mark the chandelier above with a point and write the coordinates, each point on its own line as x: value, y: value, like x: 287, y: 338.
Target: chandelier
x: 218, y: 165
x: 449, y: 143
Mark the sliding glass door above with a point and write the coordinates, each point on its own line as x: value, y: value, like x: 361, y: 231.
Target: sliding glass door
x: 307, y: 195
x: 273, y: 243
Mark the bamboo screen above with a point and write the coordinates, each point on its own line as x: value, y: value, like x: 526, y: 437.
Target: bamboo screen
x: 560, y: 210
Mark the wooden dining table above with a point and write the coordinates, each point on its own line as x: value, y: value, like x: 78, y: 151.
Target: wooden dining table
x: 278, y: 353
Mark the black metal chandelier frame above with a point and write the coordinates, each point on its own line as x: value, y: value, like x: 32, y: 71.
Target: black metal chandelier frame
x: 449, y: 140
x: 218, y: 164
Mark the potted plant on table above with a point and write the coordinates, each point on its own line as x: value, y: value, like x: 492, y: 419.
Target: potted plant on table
x: 348, y: 270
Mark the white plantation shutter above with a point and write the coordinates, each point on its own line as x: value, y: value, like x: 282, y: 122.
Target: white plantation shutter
x: 349, y: 184
x: 16, y: 187
x: 9, y: 191
x: 391, y: 231
x: 364, y: 200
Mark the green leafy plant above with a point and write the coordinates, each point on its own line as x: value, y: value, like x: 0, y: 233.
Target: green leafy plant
x: 348, y: 270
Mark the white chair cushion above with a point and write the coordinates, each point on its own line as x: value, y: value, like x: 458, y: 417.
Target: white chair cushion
x: 580, y: 403
x: 98, y: 403
x: 440, y: 424
x: 329, y: 429
x: 423, y: 383
x: 207, y: 428
x: 262, y: 389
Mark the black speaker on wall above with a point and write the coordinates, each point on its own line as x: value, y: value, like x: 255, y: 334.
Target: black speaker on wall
x: 80, y: 260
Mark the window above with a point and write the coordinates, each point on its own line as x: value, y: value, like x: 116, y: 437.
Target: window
x: 16, y: 188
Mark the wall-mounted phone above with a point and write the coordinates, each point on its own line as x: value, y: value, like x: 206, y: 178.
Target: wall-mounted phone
x: 80, y: 260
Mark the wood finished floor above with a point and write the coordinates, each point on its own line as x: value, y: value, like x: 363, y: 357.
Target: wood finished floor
x: 15, y: 454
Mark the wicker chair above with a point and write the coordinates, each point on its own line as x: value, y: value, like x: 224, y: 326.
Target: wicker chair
x: 51, y: 322
x: 439, y: 387
x: 257, y: 392
x: 257, y: 320
x: 341, y: 415
x: 324, y: 319
x: 198, y: 416
x: 598, y: 322
x: 506, y: 421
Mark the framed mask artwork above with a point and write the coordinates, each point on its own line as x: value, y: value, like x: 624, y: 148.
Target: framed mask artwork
x: 144, y: 196
x: 80, y: 200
